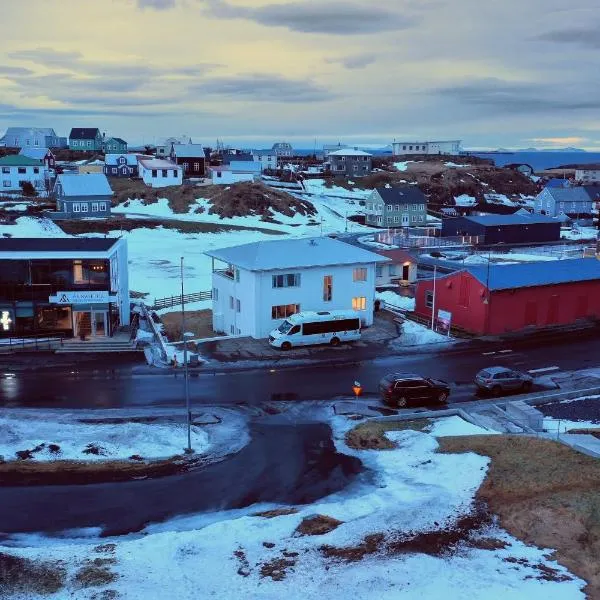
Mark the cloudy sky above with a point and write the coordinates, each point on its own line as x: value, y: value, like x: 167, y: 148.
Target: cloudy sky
x: 512, y: 73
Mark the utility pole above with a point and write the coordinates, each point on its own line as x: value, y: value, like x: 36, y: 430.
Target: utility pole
x: 433, y: 300
x: 188, y: 450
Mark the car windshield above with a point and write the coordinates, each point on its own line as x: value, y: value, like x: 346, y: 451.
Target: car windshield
x: 484, y: 374
x: 285, y: 327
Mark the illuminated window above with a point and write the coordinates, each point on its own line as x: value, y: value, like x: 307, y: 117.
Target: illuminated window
x: 359, y: 303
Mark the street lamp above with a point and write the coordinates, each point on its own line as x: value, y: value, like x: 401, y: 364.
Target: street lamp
x: 433, y: 299
x: 186, y: 335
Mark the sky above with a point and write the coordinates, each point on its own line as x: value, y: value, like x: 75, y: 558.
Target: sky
x: 492, y: 73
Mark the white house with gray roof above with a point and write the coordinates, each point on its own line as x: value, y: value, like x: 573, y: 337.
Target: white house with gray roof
x: 80, y: 196
x: 396, y: 206
x: 257, y: 286
x: 572, y: 201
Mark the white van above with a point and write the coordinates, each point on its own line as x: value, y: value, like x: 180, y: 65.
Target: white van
x: 308, y: 328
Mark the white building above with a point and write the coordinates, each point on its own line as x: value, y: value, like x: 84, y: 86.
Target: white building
x: 438, y: 147
x: 158, y: 173
x: 587, y: 175
x: 256, y: 286
x: 267, y: 158
x: 227, y: 174
x: 17, y: 168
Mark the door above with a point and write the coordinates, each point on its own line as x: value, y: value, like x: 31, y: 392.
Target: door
x: 512, y: 381
x: 405, y: 272
x: 99, y: 324
x: 405, y: 220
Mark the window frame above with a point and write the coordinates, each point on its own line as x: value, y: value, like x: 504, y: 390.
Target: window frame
x: 360, y: 274
x: 359, y: 303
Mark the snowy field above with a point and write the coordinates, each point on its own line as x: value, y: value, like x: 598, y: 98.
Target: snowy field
x: 318, y: 187
x: 396, y: 300
x: 236, y: 554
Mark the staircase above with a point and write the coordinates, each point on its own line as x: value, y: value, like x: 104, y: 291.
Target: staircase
x: 120, y: 342
x: 84, y: 324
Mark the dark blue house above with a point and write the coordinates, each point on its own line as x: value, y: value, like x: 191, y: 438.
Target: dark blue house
x: 121, y: 165
x: 80, y: 196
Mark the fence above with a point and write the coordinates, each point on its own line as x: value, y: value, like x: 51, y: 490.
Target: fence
x: 171, y: 301
x: 31, y: 343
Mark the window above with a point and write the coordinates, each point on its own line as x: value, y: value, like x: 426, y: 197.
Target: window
x: 196, y: 166
x: 94, y: 207
x: 388, y: 207
x: 429, y: 299
x: 379, y: 271
x: 89, y: 143
x: 5, y: 183
x: 103, y: 206
x: 392, y: 270
x: 84, y: 207
x: 327, y: 288
x: 284, y: 311
x: 397, y: 207
x: 359, y: 274
x: 413, y: 218
x: 114, y: 170
x: 165, y: 172
x: 36, y: 170
x: 287, y: 280
x: 359, y: 303
x: 396, y: 219
x: 421, y: 219
x: 22, y: 170
x: 154, y: 173
x: 186, y: 166
x: 403, y: 147
x: 236, y: 274
x: 238, y: 306
x: 6, y: 170
x: 219, y: 174
x: 215, y: 294
x: 231, y: 302
x: 175, y: 174
x: 389, y: 220
x: 232, y: 329
x: 36, y: 142
x: 76, y: 207
x: 28, y: 142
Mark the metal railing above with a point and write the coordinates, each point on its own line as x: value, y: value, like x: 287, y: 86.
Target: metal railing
x: 31, y: 342
x: 172, y: 301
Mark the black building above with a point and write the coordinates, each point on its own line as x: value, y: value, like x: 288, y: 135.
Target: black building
x: 69, y: 286
x: 506, y: 229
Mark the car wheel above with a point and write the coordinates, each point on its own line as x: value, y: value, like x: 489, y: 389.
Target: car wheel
x: 526, y: 387
x: 286, y: 346
x: 496, y: 390
x: 335, y: 341
x: 402, y: 402
x: 442, y: 398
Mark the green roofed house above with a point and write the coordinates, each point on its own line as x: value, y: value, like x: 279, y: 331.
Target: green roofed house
x: 114, y: 145
x: 15, y: 169
x: 85, y: 138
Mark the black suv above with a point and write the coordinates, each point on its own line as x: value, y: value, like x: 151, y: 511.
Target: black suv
x: 402, y: 389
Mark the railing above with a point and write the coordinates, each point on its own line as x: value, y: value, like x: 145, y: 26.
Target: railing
x: 31, y: 342
x: 172, y: 301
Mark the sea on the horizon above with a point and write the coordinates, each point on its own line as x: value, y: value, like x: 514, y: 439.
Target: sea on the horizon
x: 541, y: 160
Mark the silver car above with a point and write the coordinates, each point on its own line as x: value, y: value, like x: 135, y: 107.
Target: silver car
x: 501, y: 379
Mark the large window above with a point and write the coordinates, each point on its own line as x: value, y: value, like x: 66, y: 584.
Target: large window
x: 284, y: 311
x: 359, y: 274
x: 330, y: 326
x: 359, y: 303
x: 327, y: 288
x: 287, y: 280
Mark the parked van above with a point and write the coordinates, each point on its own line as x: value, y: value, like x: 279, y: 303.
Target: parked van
x: 309, y: 328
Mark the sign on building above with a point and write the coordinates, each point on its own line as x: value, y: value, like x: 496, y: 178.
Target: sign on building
x: 102, y: 297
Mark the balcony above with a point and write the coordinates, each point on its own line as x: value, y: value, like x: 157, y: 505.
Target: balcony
x: 227, y: 273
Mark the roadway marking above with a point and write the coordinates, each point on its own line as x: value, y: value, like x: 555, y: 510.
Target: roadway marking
x: 487, y: 353
x: 505, y: 352
x: 543, y: 370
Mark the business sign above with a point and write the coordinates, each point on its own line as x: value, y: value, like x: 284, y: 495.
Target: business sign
x: 6, y: 320
x: 81, y: 298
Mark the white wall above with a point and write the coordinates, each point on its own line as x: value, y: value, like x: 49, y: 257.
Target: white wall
x: 393, y: 271
x: 174, y: 176
x: 587, y: 175
x: 9, y: 181
x: 227, y: 177
x: 257, y: 297
x: 120, y: 278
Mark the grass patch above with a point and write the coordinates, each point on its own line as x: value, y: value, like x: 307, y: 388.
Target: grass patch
x: 94, y: 575
x: 594, y: 432
x: 370, y: 435
x: 114, y: 223
x: 277, y: 512
x: 24, y: 576
x: 545, y: 494
x: 199, y: 322
x: 317, y: 525
x: 71, y: 472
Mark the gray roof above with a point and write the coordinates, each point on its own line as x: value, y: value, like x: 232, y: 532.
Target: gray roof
x: 533, y: 274
x: 112, y: 160
x: 37, y: 153
x: 593, y: 191
x: 514, y: 219
x: 348, y: 152
x: 264, y: 152
x: 570, y: 194
x: 295, y: 253
x: 84, y: 133
x: 29, y: 131
x: 189, y: 150
x: 89, y: 184
x: 56, y: 244
x: 402, y: 194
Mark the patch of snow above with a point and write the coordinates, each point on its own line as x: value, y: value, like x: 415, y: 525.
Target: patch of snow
x: 415, y: 334
x: 449, y: 426
x: 465, y: 200
x: 499, y: 199
x: 402, y: 166
x: 564, y: 425
x: 580, y: 233
x: 453, y: 165
x: 396, y: 300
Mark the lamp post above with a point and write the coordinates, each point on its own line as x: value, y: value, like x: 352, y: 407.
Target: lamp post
x: 433, y: 299
x: 185, y: 336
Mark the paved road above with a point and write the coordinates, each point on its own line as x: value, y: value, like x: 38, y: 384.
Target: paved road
x: 283, y: 463
x: 104, y: 387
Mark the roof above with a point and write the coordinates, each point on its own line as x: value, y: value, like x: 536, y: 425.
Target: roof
x: 244, y: 157
x: 398, y: 256
x: 570, y: 194
x: 18, y: 160
x: 31, y: 131
x: 118, y: 140
x: 57, y: 244
x: 112, y: 160
x: 558, y: 183
x: 514, y: 219
x: 270, y: 152
x: 402, y: 194
x: 348, y: 152
x: 295, y: 253
x: 593, y: 191
x: 84, y: 133
x: 87, y: 184
x: 158, y: 163
x: 36, y: 153
x: 533, y: 274
x: 189, y: 150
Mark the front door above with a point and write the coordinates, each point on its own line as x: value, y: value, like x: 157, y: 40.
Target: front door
x: 99, y: 323
x: 405, y: 272
x: 405, y: 220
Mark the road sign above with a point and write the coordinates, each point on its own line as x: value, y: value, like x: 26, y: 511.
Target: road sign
x: 357, y: 389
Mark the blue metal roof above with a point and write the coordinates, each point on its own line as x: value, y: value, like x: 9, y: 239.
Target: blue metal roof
x: 533, y: 274
x: 558, y: 183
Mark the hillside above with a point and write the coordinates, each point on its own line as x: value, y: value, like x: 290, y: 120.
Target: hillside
x: 444, y: 178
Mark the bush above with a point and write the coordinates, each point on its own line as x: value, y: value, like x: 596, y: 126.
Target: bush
x: 28, y: 189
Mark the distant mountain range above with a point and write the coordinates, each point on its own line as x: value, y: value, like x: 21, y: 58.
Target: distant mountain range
x: 506, y: 150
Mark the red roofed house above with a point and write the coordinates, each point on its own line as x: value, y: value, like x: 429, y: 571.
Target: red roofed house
x: 402, y: 270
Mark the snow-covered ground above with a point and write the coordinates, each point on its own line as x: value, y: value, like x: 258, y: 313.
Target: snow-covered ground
x: 402, y: 166
x: 580, y: 233
x: 318, y: 187
x: 453, y: 165
x: 564, y: 425
x: 413, y: 489
x: 396, y: 300
x: 465, y: 200
x: 415, y: 334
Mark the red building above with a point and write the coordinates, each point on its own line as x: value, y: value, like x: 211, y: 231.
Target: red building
x: 511, y: 297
